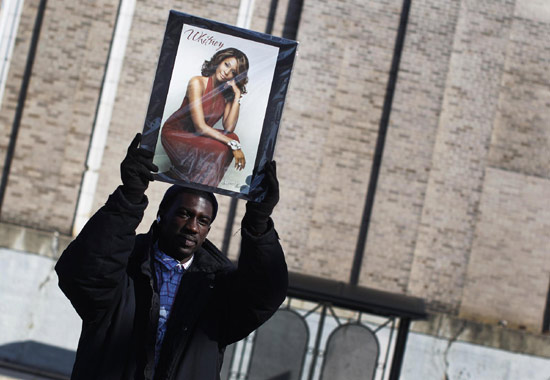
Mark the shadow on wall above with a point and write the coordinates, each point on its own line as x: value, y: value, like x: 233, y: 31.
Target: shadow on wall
x: 283, y: 376
x: 34, y: 360
x: 38, y: 358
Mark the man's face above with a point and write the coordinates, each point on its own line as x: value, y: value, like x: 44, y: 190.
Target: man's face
x: 184, y: 226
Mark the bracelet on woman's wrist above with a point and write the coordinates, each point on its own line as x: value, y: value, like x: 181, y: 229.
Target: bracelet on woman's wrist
x: 234, y: 145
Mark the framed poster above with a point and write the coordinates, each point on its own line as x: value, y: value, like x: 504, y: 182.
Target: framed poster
x: 216, y: 105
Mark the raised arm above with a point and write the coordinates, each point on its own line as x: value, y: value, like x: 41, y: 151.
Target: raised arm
x: 92, y: 270
x: 258, y: 287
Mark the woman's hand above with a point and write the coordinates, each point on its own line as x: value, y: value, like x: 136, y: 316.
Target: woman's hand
x: 239, y: 159
x: 235, y: 88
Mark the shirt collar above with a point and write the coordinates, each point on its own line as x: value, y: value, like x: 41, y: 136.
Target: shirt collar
x: 169, y: 263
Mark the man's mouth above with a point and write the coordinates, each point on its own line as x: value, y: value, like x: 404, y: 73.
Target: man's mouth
x: 187, y: 241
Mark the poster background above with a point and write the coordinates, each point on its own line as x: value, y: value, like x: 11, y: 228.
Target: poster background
x: 189, y: 59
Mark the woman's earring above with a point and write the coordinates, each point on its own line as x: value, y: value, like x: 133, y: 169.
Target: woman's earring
x: 158, y: 219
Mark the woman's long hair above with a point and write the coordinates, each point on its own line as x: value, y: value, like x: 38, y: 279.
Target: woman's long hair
x: 241, y: 79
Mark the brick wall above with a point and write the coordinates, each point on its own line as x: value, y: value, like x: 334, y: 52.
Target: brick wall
x: 410, y: 140
x: 59, y: 111
x: 329, y: 130
x: 13, y: 80
x: 460, y: 151
x: 508, y: 273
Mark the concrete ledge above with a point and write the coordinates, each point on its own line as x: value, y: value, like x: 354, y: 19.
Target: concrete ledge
x: 456, y: 329
x: 43, y: 243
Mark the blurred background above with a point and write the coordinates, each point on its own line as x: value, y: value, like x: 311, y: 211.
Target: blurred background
x: 413, y: 158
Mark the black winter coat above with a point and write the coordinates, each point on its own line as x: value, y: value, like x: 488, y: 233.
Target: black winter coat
x: 107, y: 274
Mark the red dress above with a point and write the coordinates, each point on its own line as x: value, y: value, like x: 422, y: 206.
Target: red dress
x: 197, y: 158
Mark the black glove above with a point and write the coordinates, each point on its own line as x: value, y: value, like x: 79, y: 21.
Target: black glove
x: 257, y: 213
x: 135, y: 171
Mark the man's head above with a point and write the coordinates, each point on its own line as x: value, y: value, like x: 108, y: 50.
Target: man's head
x: 185, y: 216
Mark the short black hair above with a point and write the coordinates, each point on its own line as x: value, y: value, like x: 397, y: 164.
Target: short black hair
x: 174, y: 190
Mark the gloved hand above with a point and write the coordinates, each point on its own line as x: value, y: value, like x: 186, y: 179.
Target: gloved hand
x: 135, y: 171
x: 257, y: 213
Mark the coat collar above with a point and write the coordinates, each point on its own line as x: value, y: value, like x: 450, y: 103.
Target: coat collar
x: 208, y: 257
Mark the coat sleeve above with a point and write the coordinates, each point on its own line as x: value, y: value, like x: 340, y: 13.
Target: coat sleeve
x: 257, y: 288
x: 92, y: 270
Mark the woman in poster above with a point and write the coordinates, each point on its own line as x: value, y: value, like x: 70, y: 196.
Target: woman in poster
x: 198, y: 152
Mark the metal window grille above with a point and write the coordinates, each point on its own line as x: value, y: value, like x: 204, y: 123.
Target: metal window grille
x: 314, y: 341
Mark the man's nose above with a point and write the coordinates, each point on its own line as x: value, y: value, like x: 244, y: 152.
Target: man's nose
x: 192, y: 225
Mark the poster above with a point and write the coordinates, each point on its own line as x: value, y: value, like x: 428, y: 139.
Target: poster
x: 216, y: 105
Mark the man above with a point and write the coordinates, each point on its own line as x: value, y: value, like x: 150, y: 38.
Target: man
x: 164, y: 305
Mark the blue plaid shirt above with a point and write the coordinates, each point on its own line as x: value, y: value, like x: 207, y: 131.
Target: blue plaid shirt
x: 168, y: 272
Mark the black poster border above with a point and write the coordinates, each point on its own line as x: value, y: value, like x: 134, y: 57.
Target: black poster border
x: 275, y: 105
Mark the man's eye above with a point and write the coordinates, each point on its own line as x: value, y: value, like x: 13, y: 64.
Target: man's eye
x: 183, y: 214
x: 204, y: 222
